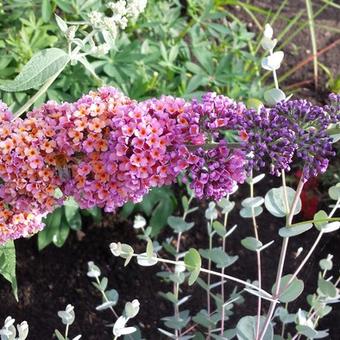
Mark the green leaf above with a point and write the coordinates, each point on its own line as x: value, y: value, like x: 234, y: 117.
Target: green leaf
x: 149, y: 248
x: 295, y: 230
x: 251, y: 243
x: 252, y: 202
x: 95, y: 213
x: 204, y: 57
x: 185, y: 202
x: 193, y: 262
x: 196, y: 81
x: 127, y: 253
x: 292, y: 292
x: 320, y: 219
x: 275, y: 201
x: 249, y: 212
x: 72, y: 214
x: 256, y: 179
x: 246, y: 328
x: 112, y: 295
x: 226, y: 205
x: 202, y: 318
x: 59, y: 335
x: 330, y: 227
x: 334, y: 192
x: 194, y: 68
x: 326, y: 264
x: 178, y: 224
x: 169, y: 296
x: 60, y: 237
x: 52, y: 222
x: 61, y: 23
x: 274, y: 96
x: 327, y: 288
x: 8, y: 265
x: 218, y: 256
x: 46, y: 10
x: 253, y: 103
x: 219, y: 228
x: 42, y: 66
x: 307, y: 331
x: 177, y: 322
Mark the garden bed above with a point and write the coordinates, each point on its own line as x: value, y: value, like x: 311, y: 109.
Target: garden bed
x: 54, y: 277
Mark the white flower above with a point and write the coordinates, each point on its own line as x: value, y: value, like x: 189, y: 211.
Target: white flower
x: 96, y: 18
x: 118, y: 8
x: 110, y: 25
x: 135, y: 7
x: 122, y: 22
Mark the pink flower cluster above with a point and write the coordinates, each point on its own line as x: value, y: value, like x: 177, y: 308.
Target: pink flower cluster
x: 106, y: 149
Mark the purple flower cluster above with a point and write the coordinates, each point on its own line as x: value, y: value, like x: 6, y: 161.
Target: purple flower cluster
x: 333, y: 109
x: 270, y: 141
x: 313, y: 144
x: 290, y: 130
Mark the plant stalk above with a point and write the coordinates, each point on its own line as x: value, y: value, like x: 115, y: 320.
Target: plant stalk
x: 282, y: 259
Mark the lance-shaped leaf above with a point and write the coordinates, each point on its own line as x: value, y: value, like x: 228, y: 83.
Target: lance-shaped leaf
x: 42, y: 66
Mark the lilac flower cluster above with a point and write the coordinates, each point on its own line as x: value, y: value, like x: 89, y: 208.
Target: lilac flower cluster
x: 217, y: 171
x: 218, y: 168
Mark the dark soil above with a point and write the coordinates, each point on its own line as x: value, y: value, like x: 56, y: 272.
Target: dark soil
x: 50, y: 279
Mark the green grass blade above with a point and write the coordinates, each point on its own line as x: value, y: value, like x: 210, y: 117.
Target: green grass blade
x: 278, y: 12
x: 331, y: 3
x: 311, y: 25
x: 302, y: 26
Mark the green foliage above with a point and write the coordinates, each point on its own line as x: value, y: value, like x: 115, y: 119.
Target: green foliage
x: 289, y: 292
x: 159, y: 204
x: 295, y: 230
x: 8, y: 265
x: 178, y: 224
x: 176, y: 54
x: 251, y: 243
x: 61, y: 221
x: 38, y: 70
x: 246, y: 328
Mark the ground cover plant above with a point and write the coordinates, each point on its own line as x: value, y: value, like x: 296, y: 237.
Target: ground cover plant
x: 171, y: 124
